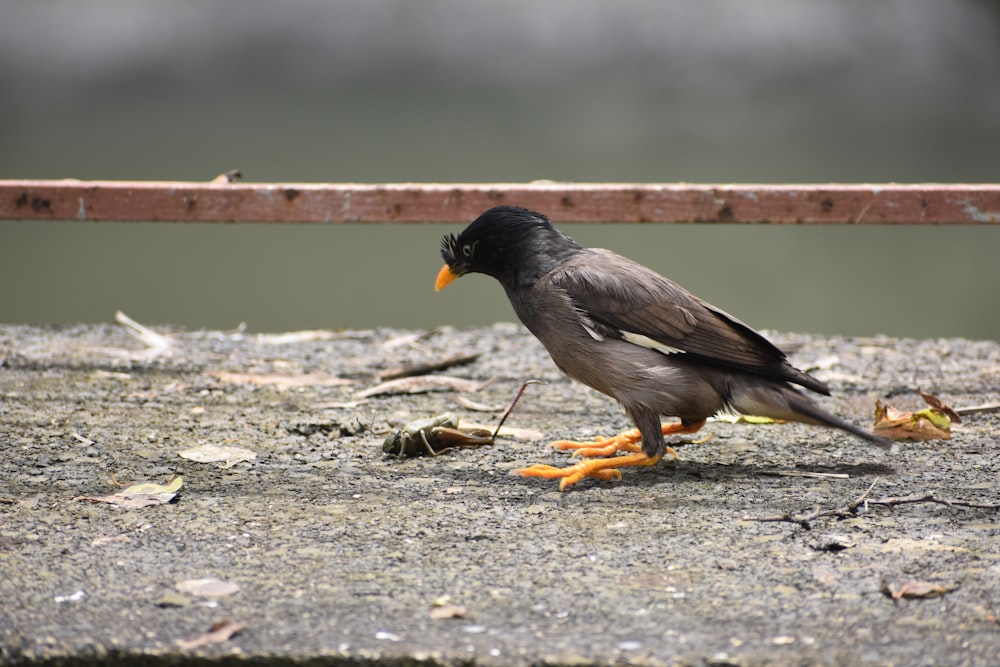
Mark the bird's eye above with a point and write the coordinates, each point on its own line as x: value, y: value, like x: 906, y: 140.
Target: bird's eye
x: 467, y: 250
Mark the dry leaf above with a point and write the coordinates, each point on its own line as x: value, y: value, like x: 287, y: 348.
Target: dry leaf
x: 914, y: 589
x: 927, y: 424
x: 207, y: 588
x: 281, y: 380
x: 148, y: 488
x: 422, y: 384
x: 225, y: 455
x: 131, y: 502
x: 172, y: 599
x: 938, y: 404
x: 140, y: 495
x: 443, y: 607
x: 218, y: 633
x: 447, y: 610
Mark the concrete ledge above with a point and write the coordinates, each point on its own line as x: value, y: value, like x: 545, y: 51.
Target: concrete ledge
x: 340, y: 553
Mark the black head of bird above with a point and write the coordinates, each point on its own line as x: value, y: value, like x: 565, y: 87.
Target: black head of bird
x: 514, y: 245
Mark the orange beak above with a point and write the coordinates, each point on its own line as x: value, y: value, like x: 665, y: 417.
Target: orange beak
x: 445, y: 276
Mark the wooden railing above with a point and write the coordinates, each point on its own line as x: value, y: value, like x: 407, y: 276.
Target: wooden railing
x: 221, y: 201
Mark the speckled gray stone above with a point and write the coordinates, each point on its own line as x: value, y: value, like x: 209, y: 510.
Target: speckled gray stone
x: 340, y: 552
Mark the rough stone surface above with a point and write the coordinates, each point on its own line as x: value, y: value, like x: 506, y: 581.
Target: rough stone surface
x: 340, y: 552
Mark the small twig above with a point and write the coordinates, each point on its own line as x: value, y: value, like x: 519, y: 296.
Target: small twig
x: 804, y: 520
x: 931, y: 498
x: 973, y: 409
x: 85, y: 440
x: 155, y: 343
x: 851, y: 509
x: 806, y: 473
x: 408, y: 339
x: 517, y: 397
x: 115, y: 481
x: 424, y: 369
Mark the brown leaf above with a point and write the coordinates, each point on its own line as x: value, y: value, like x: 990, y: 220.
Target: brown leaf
x: 140, y: 495
x: 914, y: 589
x: 938, y: 404
x: 444, y: 608
x: 927, y: 424
x: 134, y: 501
x: 218, y: 633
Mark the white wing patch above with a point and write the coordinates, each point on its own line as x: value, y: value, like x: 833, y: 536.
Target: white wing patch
x: 588, y: 325
x: 649, y: 343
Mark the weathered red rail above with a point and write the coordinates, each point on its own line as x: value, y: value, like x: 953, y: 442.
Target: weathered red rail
x: 456, y: 202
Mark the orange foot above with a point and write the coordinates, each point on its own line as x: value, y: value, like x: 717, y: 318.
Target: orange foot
x: 603, y: 469
x: 606, y: 468
x: 626, y: 441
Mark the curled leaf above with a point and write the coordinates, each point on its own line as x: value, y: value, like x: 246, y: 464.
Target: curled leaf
x: 148, y: 488
x: 914, y: 589
x: 927, y: 424
x: 940, y: 405
x: 447, y: 611
x: 218, y: 633
x: 140, y: 495
x: 443, y: 607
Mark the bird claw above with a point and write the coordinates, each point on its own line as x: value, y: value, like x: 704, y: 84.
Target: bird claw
x: 602, y: 469
x: 627, y: 441
x: 571, y: 475
x: 603, y: 452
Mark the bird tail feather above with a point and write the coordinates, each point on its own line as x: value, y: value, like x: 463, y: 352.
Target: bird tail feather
x: 786, y: 403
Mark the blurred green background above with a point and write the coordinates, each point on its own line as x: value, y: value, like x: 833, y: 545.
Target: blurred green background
x: 442, y: 90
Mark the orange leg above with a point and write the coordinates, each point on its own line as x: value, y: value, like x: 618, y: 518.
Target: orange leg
x: 626, y: 441
x: 605, y: 468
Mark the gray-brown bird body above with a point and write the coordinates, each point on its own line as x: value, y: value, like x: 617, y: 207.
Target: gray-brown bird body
x: 632, y: 334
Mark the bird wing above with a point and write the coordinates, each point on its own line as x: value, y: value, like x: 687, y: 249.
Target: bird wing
x: 618, y: 298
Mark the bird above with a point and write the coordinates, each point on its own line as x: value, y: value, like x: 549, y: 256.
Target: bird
x: 632, y: 334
